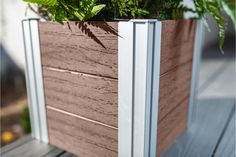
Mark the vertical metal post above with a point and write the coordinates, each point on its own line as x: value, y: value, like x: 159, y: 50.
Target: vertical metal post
x: 34, y: 80
x: 195, y: 72
x: 139, y: 72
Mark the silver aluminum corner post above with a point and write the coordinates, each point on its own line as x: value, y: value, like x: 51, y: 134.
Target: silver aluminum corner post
x: 138, y: 87
x: 195, y: 72
x: 34, y: 80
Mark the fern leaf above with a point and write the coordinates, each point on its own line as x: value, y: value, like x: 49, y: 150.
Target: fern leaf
x: 43, y: 2
x: 214, y: 10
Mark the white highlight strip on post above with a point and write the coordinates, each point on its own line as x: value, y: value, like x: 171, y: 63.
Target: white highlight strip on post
x: 125, y: 88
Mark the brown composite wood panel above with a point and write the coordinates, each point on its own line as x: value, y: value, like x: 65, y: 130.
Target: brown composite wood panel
x: 80, y: 79
x: 88, y: 49
x: 177, y: 43
x: 81, y: 137
x: 174, y: 87
x: 176, y: 69
x: 90, y: 96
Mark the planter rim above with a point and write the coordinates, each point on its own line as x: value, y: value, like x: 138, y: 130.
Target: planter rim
x: 116, y: 20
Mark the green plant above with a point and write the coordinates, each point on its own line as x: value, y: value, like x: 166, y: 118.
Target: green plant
x: 25, y: 121
x: 68, y: 10
x: 215, y: 8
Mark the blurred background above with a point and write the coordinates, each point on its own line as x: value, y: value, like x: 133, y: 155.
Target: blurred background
x: 15, y: 122
x: 14, y: 115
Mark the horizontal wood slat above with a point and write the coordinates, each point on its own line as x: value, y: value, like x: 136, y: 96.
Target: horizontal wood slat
x: 177, y: 43
x: 85, y: 95
x: 81, y: 137
x: 92, y: 48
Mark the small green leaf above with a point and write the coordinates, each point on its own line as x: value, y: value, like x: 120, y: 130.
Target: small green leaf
x: 214, y: 9
x: 43, y: 2
x: 79, y: 15
x: 97, y: 8
x: 230, y: 11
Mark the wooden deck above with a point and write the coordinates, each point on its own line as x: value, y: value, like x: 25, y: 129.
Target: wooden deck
x: 212, y: 133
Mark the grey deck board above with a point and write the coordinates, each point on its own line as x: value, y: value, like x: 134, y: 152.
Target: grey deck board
x: 29, y: 147
x: 15, y: 144
x: 223, y: 85
x: 209, y: 70
x: 201, y: 139
x: 67, y: 155
x: 33, y: 148
x: 54, y: 153
x: 227, y: 146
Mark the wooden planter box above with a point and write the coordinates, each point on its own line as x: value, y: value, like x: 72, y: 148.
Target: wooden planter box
x: 106, y: 89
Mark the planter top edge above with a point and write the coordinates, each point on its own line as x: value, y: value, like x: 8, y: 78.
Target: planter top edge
x: 116, y: 20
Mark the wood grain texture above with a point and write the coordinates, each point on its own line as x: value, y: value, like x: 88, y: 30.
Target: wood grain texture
x: 81, y: 137
x: 177, y: 43
x: 90, y: 49
x: 172, y: 126
x: 85, y: 95
x: 174, y: 88
x: 176, y: 69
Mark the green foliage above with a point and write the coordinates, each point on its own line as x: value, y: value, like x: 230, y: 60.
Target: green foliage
x: 167, y: 9
x: 68, y: 10
x: 43, y: 2
x: 215, y: 8
x: 25, y: 121
x: 128, y: 8
x: 229, y: 8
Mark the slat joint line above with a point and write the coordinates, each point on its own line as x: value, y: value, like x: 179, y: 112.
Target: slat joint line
x: 79, y: 73
x: 80, y: 117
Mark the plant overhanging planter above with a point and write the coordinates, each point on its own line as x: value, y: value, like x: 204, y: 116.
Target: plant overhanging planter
x: 111, y: 88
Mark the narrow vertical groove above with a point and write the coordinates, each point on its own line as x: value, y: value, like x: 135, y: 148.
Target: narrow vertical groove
x: 152, y: 73
x: 146, y: 75
x: 147, y: 107
x: 133, y: 92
